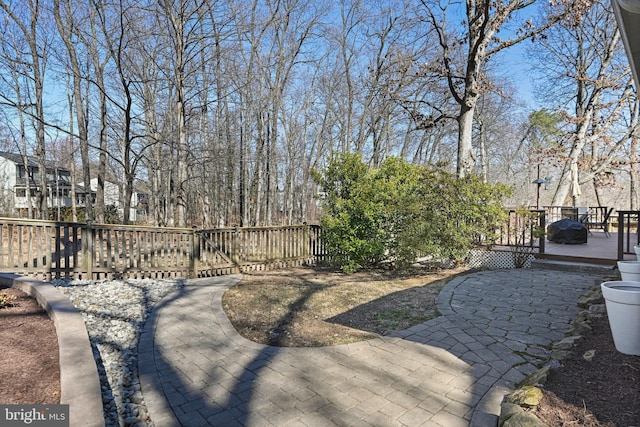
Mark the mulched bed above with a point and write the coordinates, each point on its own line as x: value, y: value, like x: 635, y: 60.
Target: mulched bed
x: 604, y: 391
x: 30, y: 370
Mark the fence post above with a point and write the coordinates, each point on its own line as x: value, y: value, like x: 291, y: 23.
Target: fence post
x: 88, y: 249
x: 58, y: 250
x: 306, y: 242
x: 235, y: 247
x: 195, y: 252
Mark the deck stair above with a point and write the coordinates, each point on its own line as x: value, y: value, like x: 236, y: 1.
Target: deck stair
x: 574, y: 265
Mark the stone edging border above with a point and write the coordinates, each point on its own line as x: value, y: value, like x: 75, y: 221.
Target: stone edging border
x: 79, y: 380
x: 514, y: 414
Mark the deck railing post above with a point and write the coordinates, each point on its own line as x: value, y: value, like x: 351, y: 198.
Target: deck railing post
x: 620, y: 235
x: 543, y: 236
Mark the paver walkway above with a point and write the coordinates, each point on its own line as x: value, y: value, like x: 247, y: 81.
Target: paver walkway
x: 496, y: 327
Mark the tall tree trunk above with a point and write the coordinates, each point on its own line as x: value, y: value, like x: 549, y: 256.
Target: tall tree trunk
x: 98, y: 68
x: 65, y: 30
x: 128, y: 170
x: 25, y: 156
x: 102, y: 160
x: 178, y: 34
x: 482, y: 139
x: 30, y: 30
x: 244, y: 175
x: 74, y: 204
x: 466, y: 157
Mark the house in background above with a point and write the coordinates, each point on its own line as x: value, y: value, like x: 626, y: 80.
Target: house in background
x: 137, y: 211
x: 15, y: 174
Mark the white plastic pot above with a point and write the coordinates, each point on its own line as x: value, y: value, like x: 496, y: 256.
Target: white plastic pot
x: 636, y: 248
x: 629, y: 270
x: 622, y: 299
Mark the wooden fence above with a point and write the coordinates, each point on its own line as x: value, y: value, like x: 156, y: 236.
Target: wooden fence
x: 54, y: 250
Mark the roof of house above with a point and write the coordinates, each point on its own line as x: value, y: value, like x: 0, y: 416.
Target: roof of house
x: 33, y: 161
x: 628, y: 17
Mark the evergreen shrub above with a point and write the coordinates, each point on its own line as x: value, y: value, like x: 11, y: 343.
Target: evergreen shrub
x: 395, y: 213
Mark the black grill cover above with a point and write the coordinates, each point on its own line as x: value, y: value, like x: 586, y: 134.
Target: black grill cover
x: 567, y: 231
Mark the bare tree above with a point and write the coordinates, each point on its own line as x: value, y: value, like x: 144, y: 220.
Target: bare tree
x: 466, y: 52
x: 273, y: 36
x: 589, y: 72
x: 122, y: 28
x: 67, y: 29
x: 99, y: 58
x: 28, y: 30
x: 21, y: 144
x: 182, y: 20
x: 223, y: 108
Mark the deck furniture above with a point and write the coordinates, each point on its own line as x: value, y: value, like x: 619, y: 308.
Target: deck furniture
x: 574, y: 213
x: 598, y: 217
x: 569, y: 213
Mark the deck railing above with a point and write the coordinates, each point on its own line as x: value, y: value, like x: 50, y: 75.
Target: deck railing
x: 555, y: 213
x: 625, y: 223
x: 628, y: 232
x: 47, y: 249
x: 522, y: 230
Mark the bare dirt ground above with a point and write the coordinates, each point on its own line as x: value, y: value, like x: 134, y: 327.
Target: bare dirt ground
x: 29, y: 369
x: 314, y: 307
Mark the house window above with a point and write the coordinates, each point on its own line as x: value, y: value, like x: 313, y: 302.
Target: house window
x: 62, y: 192
x: 22, y: 192
x: 22, y: 172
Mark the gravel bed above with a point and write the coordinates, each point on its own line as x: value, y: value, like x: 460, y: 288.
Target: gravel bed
x: 114, y: 312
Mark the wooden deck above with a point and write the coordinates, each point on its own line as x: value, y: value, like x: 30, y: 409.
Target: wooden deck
x: 598, y: 249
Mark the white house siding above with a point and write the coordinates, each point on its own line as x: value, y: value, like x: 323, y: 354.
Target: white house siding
x: 7, y: 182
x: 112, y: 197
